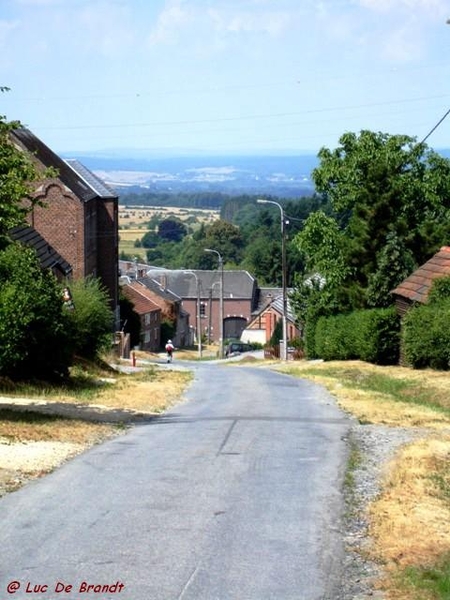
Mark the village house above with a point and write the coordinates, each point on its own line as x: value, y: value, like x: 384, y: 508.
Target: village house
x: 77, y: 214
x: 149, y: 315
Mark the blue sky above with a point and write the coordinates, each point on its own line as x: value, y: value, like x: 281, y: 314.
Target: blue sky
x: 224, y: 76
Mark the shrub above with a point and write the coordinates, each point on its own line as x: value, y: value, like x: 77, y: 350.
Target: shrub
x: 35, y: 341
x: 369, y: 335
x: 92, y: 319
x: 426, y: 335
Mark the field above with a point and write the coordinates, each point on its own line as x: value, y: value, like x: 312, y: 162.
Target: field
x: 135, y: 221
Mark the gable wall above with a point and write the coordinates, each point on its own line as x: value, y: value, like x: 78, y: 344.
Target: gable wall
x: 60, y: 222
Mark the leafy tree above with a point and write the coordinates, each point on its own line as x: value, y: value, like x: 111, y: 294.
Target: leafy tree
x: 389, y: 195
x: 35, y: 332
x: 172, y: 230
x: 92, y: 320
x: 226, y: 239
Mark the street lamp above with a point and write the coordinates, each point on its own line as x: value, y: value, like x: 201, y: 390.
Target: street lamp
x: 199, y: 322
x: 219, y: 256
x: 283, y: 271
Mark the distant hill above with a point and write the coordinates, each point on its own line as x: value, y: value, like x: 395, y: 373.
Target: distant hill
x: 283, y: 176
x: 287, y: 176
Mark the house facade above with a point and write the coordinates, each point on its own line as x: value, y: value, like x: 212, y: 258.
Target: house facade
x: 195, y: 287
x: 77, y: 214
x: 149, y: 315
x: 262, y: 326
x: 171, y: 310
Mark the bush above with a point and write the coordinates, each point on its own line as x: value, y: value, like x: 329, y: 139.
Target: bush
x: 426, y: 336
x: 369, y: 335
x: 91, y: 320
x: 35, y: 341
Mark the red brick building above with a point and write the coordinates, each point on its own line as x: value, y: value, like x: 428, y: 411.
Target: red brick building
x: 149, y: 315
x: 78, y: 216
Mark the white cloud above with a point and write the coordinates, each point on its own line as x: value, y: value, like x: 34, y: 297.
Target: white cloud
x: 173, y: 18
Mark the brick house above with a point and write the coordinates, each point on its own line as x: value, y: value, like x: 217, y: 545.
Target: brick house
x: 171, y: 309
x: 149, y: 315
x: 266, y: 317
x: 79, y: 215
x: 239, y: 298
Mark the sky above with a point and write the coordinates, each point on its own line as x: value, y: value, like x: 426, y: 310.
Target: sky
x: 224, y: 76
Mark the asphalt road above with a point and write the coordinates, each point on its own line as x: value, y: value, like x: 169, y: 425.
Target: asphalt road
x: 232, y: 495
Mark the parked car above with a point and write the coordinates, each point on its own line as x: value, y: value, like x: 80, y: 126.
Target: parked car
x: 234, y: 348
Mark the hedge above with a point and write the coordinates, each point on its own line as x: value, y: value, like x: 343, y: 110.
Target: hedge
x: 369, y: 335
x: 426, y: 336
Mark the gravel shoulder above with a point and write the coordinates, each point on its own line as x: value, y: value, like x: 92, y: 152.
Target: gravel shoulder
x: 376, y: 445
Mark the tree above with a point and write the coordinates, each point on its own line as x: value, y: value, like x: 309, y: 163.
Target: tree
x: 226, y: 239
x: 172, y: 230
x: 17, y: 173
x: 387, y: 193
x: 35, y: 332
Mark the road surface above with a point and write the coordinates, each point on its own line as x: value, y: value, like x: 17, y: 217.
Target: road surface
x: 232, y: 495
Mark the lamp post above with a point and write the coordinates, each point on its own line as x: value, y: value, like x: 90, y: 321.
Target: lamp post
x: 283, y: 271
x: 199, y: 325
x: 219, y: 256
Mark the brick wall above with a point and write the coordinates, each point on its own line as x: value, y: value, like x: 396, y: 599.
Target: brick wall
x: 60, y: 222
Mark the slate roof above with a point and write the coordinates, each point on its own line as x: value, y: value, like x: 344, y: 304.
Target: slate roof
x: 137, y: 293
x: 162, y: 292
x: 236, y: 284
x: 47, y: 255
x: 416, y: 287
x: 100, y: 187
x: 83, y: 188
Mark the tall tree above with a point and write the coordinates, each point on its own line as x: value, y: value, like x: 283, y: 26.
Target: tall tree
x: 387, y: 192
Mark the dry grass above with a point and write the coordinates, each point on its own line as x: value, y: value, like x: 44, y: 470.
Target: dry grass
x: 33, y: 427
x: 395, y: 396
x: 410, y: 522
x: 149, y: 391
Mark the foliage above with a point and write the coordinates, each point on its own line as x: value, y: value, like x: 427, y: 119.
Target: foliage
x: 16, y: 175
x: 168, y: 330
x: 394, y: 263
x: 35, y: 339
x: 391, y: 203
x: 172, y: 230
x: 277, y: 334
x: 369, y: 335
x: 92, y: 319
x: 440, y: 290
x: 426, y: 335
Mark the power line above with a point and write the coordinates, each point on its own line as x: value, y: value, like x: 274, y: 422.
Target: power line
x: 435, y: 127
x: 245, y: 117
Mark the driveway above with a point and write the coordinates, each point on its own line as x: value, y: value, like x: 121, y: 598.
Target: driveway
x: 232, y: 495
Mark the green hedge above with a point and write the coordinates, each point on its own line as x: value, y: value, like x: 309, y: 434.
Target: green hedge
x: 426, y: 336
x: 369, y: 335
